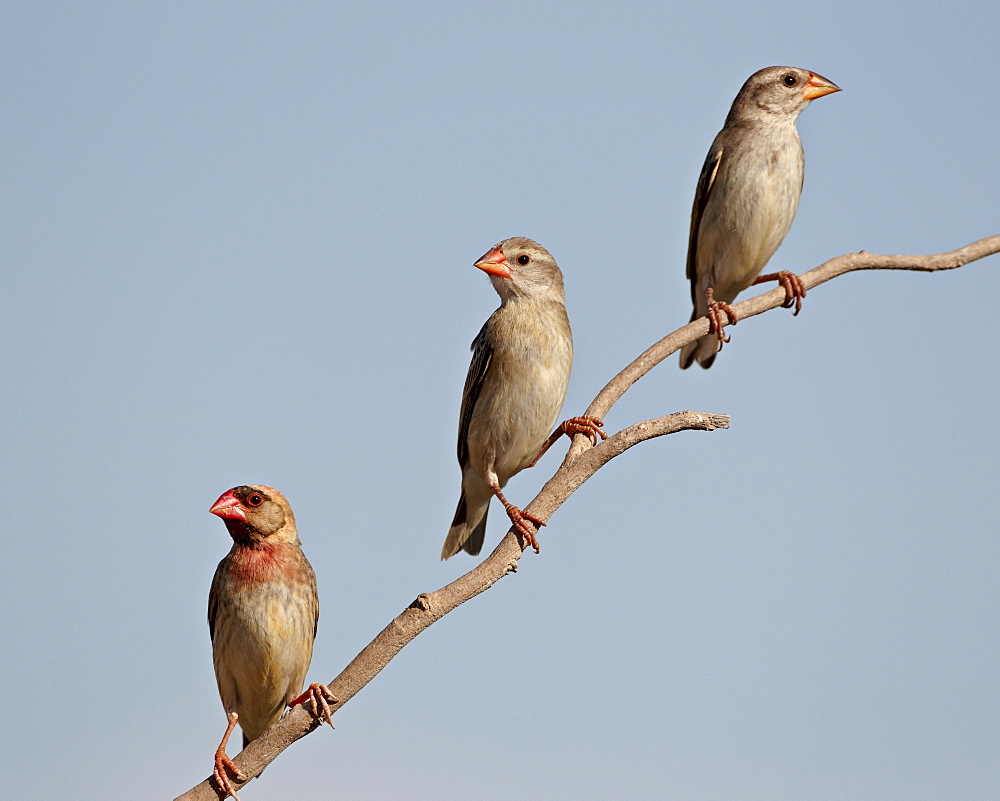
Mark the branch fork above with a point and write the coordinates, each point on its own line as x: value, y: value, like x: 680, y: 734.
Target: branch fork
x: 582, y: 460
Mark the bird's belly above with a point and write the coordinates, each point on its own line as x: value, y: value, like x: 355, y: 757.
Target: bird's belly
x: 267, y: 646
x: 747, y: 232
x: 513, y: 423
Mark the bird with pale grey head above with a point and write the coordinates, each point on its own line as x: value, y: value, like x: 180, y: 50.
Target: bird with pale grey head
x: 746, y: 199
x: 514, y: 389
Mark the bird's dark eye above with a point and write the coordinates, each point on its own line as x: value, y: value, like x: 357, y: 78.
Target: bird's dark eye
x: 790, y: 80
x: 523, y: 259
x: 255, y: 500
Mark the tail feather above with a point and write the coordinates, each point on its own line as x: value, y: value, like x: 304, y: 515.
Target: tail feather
x: 703, y: 350
x: 464, y: 535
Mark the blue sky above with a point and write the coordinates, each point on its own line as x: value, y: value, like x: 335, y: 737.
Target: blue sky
x: 238, y: 248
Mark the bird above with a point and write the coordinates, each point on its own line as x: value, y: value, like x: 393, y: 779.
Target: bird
x: 263, y: 609
x: 514, y: 390
x: 747, y: 196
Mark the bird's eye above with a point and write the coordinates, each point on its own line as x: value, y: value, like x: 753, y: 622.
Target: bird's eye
x: 523, y: 259
x: 255, y: 500
x: 790, y: 80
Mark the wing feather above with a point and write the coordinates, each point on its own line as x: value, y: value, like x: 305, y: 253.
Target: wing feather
x: 705, y: 182
x: 482, y: 355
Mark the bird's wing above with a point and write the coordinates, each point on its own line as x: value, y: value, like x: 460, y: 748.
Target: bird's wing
x: 213, y: 604
x: 482, y: 354
x: 705, y: 181
x: 313, y: 600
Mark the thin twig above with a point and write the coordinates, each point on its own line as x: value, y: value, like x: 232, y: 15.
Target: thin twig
x: 772, y: 299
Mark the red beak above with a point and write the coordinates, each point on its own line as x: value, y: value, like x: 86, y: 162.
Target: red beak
x: 229, y: 506
x: 494, y: 263
x: 817, y: 86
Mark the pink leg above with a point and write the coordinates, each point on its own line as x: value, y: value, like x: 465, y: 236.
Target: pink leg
x: 591, y: 426
x: 794, y: 289
x: 318, y: 697
x: 223, y: 763
x: 716, y: 310
x: 518, y: 518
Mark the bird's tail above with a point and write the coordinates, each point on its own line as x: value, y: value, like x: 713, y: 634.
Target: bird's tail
x: 466, y: 532
x: 703, y: 350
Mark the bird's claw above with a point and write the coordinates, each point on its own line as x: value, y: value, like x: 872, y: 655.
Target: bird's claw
x: 716, y: 310
x: 224, y: 765
x: 517, y: 517
x: 317, y: 698
x: 795, y: 290
x: 589, y: 426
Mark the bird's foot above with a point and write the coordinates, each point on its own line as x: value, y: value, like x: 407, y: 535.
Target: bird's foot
x: 520, y: 519
x: 717, y: 309
x: 794, y: 288
x: 317, y: 698
x: 590, y: 426
x: 224, y: 765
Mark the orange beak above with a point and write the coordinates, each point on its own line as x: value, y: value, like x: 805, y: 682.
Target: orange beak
x: 817, y: 86
x: 494, y: 263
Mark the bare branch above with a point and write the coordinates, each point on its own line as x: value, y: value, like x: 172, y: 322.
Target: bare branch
x: 772, y: 299
x: 431, y: 607
x: 581, y: 462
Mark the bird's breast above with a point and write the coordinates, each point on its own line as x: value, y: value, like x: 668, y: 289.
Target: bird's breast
x: 247, y: 566
x: 749, y: 212
x: 521, y: 399
x: 263, y: 632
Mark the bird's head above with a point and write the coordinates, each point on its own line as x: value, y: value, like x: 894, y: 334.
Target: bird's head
x: 253, y: 514
x: 520, y: 267
x: 783, y: 91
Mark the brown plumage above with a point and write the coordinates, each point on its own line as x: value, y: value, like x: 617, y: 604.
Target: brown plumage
x: 262, y: 615
x: 746, y: 199
x: 515, y: 387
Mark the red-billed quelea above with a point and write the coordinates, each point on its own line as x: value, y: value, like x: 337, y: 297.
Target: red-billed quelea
x: 516, y: 385
x: 747, y: 196
x: 262, y: 615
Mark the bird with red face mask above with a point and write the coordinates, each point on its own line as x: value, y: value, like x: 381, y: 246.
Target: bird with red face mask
x: 262, y: 614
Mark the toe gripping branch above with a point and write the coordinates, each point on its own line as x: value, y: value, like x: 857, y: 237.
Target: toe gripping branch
x: 794, y: 288
x: 317, y: 698
x: 716, y: 310
x: 520, y: 519
x: 225, y: 766
x: 589, y: 426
